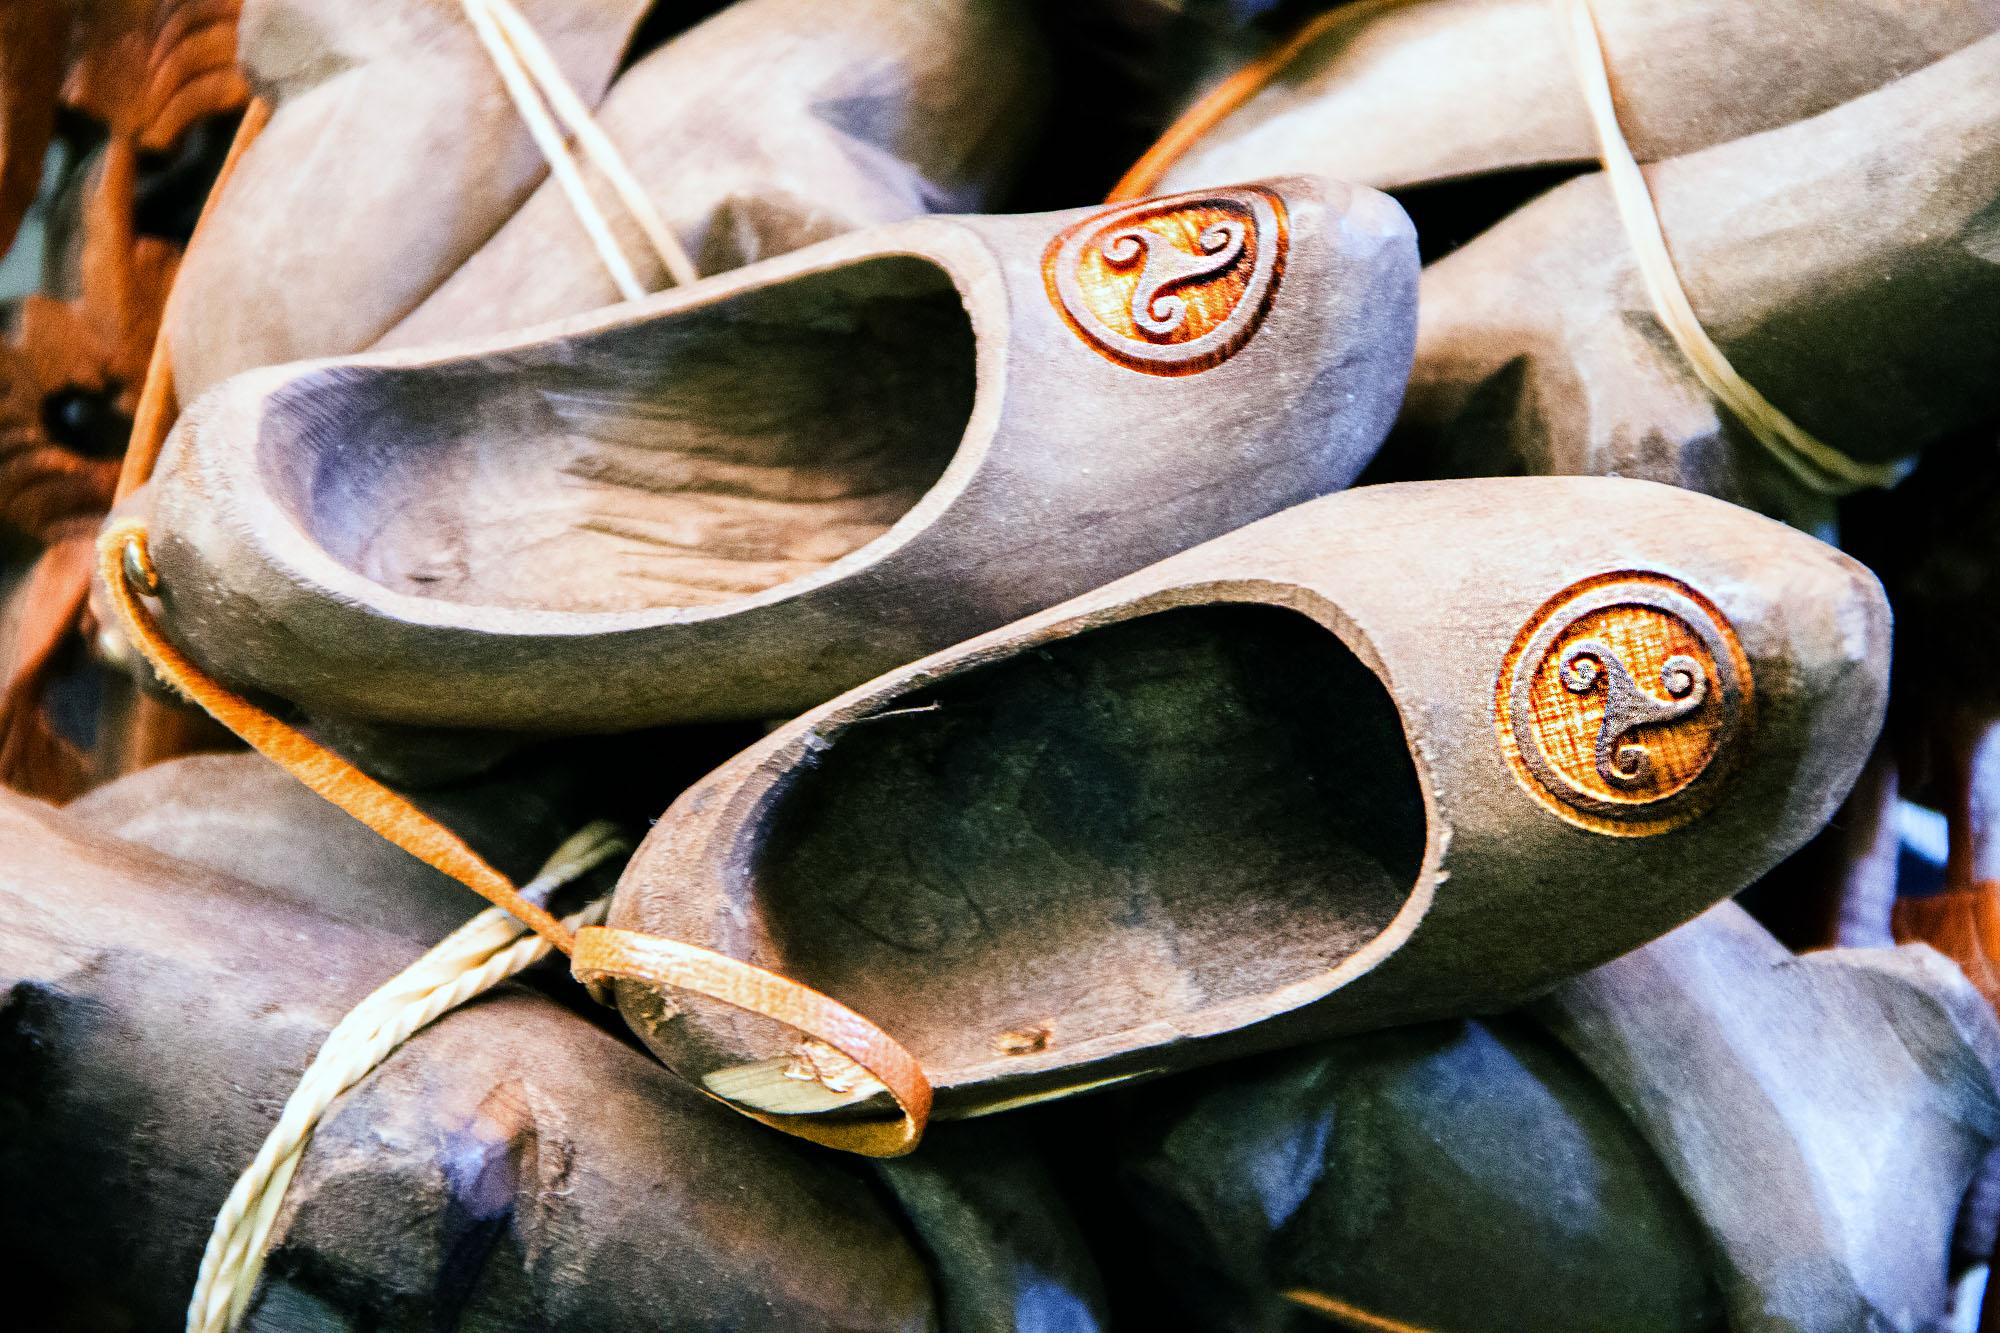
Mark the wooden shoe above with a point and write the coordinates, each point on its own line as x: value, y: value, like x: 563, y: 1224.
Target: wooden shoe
x: 397, y: 190
x: 775, y: 124
x: 511, y: 1165
x: 1401, y: 753
x: 391, y: 155
x: 1837, y: 262
x: 738, y: 499
x: 1469, y: 1175
x: 1004, y: 1250
x: 1808, y: 1109
x: 1388, y: 93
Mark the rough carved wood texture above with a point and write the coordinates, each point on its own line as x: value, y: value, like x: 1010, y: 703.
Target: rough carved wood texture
x: 1762, y: 1079
x: 1841, y: 263
x: 840, y: 369
x: 683, y: 463
x: 1063, y: 859
x: 1077, y: 841
x: 773, y: 125
x: 1392, y: 93
x: 1467, y: 1176
x: 511, y: 1166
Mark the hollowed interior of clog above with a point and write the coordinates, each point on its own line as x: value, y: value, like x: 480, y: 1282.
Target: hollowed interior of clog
x: 682, y: 460
x: 1144, y: 821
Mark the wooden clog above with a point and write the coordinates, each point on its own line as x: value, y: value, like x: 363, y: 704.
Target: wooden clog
x: 1400, y: 753
x: 394, y: 158
x: 392, y: 154
x: 1389, y: 93
x: 511, y: 1167
x: 1003, y: 1247
x: 1823, y: 1116
x: 1470, y: 1176
x: 738, y: 499
x: 1842, y: 263
x: 241, y: 815
x: 775, y: 124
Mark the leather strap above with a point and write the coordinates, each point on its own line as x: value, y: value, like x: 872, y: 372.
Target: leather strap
x: 122, y: 561
x: 604, y: 954
x: 154, y: 416
x: 598, y: 954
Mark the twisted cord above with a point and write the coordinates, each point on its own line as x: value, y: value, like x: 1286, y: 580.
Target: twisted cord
x: 479, y: 955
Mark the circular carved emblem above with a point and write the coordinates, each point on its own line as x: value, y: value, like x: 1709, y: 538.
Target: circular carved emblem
x: 1623, y: 702
x: 1170, y: 286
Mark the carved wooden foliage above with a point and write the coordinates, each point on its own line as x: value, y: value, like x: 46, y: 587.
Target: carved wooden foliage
x: 148, y: 70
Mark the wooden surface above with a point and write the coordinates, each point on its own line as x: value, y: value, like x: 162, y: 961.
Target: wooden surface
x: 1835, y: 261
x: 1823, y: 1116
x: 511, y: 1166
x: 1097, y: 825
x: 1468, y: 1177
x: 628, y: 518
x: 772, y: 125
x: 1391, y: 94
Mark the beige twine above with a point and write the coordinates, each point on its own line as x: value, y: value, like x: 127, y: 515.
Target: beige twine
x: 479, y: 955
x: 536, y: 83
x: 1812, y: 461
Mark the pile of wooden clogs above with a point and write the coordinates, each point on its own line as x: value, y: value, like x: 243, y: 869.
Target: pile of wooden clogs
x: 999, y: 665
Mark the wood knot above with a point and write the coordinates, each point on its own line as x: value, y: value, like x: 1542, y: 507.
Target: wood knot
x: 1027, y: 1041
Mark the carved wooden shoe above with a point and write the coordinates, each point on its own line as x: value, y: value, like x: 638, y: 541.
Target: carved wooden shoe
x: 397, y: 191
x: 1400, y: 753
x: 1470, y: 1176
x: 1807, y: 1108
x: 1389, y: 93
x: 775, y: 124
x: 498, y: 1170
x: 738, y: 499
x: 1539, y: 350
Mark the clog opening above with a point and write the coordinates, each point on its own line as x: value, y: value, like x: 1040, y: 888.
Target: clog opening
x: 1144, y: 821
x: 678, y: 461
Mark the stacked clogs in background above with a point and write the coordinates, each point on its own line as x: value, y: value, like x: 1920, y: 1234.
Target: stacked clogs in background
x: 1149, y: 680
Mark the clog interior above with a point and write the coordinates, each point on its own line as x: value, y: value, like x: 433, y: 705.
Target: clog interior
x: 682, y: 460
x: 1120, y: 828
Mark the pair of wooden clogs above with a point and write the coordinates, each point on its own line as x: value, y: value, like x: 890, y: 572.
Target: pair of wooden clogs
x: 1297, y: 766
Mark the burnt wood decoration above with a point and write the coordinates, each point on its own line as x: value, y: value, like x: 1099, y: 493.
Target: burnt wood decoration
x: 509, y: 1167
x: 1389, y: 93
x: 1622, y: 702
x: 1171, y: 286
x: 738, y: 499
x: 1251, y: 796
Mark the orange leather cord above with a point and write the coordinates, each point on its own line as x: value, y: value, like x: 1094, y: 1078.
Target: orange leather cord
x: 1212, y: 108
x: 604, y: 953
x: 599, y: 954
x: 1961, y: 924
x: 155, y: 414
x: 122, y: 559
